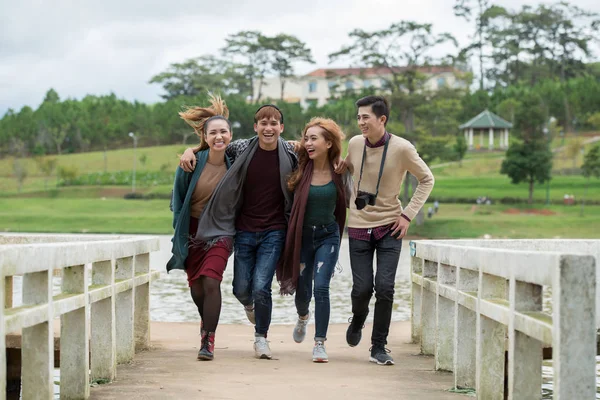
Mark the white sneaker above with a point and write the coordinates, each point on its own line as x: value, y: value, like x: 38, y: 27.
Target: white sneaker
x: 319, y: 353
x: 250, y: 314
x: 300, y: 329
x: 261, y: 348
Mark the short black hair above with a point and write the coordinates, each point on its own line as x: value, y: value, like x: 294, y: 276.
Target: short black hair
x: 378, y: 104
x: 271, y: 111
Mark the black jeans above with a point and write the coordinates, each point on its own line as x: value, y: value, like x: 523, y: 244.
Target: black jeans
x: 361, y: 261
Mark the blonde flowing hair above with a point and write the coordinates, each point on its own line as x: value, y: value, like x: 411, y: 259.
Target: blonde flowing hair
x: 331, y: 133
x: 196, y: 117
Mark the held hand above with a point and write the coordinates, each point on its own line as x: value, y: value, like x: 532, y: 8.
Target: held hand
x: 187, y: 162
x: 400, y: 226
x: 340, y: 166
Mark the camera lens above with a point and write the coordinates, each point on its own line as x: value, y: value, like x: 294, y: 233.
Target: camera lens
x: 360, y: 203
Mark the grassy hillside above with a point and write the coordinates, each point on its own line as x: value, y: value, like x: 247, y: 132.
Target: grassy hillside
x: 477, y: 175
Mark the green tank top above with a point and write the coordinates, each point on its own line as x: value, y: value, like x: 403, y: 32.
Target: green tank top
x: 320, y: 206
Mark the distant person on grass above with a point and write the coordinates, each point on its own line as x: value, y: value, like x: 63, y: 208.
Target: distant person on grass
x: 315, y: 228
x: 377, y: 221
x: 204, y: 262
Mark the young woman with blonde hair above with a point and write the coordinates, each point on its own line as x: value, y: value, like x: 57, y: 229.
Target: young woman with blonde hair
x: 203, y: 262
x: 315, y: 228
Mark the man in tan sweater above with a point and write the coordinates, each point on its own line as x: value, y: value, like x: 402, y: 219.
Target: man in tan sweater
x: 377, y: 220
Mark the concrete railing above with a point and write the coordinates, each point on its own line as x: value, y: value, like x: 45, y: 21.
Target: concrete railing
x: 475, y: 300
x: 103, y: 307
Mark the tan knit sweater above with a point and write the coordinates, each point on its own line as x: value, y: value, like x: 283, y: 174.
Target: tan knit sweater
x: 401, y: 157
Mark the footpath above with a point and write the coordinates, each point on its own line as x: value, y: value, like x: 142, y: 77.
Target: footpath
x: 169, y: 370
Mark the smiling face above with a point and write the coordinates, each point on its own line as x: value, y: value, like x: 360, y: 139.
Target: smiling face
x: 268, y: 131
x: 218, y: 135
x: 371, y: 126
x: 315, y: 143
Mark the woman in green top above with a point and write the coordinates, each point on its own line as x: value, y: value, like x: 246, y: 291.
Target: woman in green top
x: 315, y: 228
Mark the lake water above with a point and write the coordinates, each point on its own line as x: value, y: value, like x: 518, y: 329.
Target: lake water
x: 171, y: 299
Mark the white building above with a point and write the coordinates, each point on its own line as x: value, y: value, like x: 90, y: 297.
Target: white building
x: 323, y: 84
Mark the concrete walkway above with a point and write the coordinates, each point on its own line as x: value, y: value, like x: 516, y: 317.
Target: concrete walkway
x: 170, y: 370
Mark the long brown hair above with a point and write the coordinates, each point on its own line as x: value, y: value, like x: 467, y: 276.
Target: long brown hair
x: 331, y: 133
x: 196, y: 117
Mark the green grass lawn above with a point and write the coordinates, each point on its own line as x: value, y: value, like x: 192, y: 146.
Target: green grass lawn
x: 76, y: 215
x: 498, y: 187
x: 471, y: 221
x: 81, y: 215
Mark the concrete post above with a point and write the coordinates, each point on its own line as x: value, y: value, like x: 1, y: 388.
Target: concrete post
x: 465, y: 333
x: 415, y: 304
x: 142, y: 304
x: 124, y: 312
x: 103, y: 327
x: 501, y: 137
x: 74, y: 339
x: 428, y: 314
x: 445, y: 315
x: 524, y: 353
x: 37, y: 352
x: 491, y: 337
x: 575, y: 331
x: 491, y: 141
x: 506, y: 138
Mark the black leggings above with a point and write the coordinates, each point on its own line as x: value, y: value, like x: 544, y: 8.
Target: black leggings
x: 206, y: 293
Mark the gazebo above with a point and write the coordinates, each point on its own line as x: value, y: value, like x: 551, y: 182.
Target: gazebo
x: 489, y: 122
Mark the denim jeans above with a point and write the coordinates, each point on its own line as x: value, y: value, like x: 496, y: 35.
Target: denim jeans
x: 318, y: 257
x: 361, y: 261
x: 255, y: 259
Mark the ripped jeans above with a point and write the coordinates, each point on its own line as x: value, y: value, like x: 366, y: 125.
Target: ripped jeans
x: 318, y: 257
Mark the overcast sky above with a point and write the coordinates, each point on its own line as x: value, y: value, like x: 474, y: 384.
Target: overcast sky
x: 83, y: 47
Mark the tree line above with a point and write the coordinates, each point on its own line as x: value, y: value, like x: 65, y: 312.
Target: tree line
x: 531, y: 57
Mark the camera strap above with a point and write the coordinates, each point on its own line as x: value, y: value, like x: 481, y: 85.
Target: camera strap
x: 362, y: 164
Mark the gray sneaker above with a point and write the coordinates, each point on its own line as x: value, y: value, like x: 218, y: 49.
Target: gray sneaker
x: 261, y: 348
x: 250, y: 314
x: 380, y: 355
x: 300, y: 329
x: 319, y: 353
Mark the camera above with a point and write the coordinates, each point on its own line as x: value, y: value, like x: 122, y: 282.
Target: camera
x: 363, y: 199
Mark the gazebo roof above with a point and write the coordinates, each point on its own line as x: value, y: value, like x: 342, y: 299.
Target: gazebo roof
x: 486, y: 120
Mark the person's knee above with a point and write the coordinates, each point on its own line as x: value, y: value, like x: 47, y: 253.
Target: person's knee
x: 241, y: 288
x: 384, y: 291
x: 211, y: 286
x: 321, y: 292
x: 261, y: 292
x: 362, y: 290
x: 262, y: 296
x: 302, y: 294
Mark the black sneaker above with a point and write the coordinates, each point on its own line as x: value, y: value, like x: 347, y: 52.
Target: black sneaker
x: 380, y: 355
x: 354, y: 332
